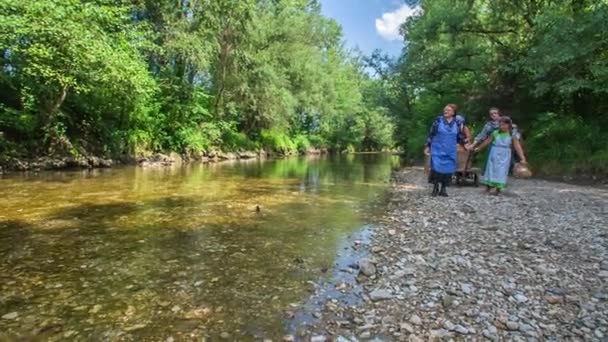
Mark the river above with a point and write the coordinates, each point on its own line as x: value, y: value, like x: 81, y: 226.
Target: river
x: 176, y: 253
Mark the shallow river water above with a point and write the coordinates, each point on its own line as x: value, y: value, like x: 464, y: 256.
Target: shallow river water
x: 176, y: 253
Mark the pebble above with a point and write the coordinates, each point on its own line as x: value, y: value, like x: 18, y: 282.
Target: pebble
x: 134, y: 327
x: 467, y: 289
x: 407, y: 327
x: 512, y: 325
x: 416, y: 320
x: 448, y: 325
x: 225, y: 335
x: 318, y: 339
x: 554, y: 299
x: 478, y: 276
x: 10, y: 316
x: 460, y: 329
x: 520, y: 298
x: 439, y: 334
x: 448, y: 301
x: 366, y: 267
x: 489, y: 335
x: 378, y: 295
x: 95, y: 309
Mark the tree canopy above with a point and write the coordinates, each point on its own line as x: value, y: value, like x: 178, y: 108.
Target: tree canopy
x: 545, y: 63
x: 129, y: 77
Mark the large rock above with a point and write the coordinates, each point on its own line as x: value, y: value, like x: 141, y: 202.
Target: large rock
x: 175, y: 158
x: 366, y: 267
x: 247, y: 155
x: 226, y: 155
x: 378, y: 295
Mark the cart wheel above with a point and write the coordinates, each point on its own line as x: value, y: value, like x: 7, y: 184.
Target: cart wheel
x: 458, y: 179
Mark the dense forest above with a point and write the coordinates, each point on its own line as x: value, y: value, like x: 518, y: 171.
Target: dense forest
x: 115, y: 77
x: 543, y: 62
x: 130, y: 77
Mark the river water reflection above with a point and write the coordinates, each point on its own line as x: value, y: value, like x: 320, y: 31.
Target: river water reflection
x: 131, y: 253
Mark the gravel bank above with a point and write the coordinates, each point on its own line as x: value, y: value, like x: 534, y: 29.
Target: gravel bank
x: 531, y: 265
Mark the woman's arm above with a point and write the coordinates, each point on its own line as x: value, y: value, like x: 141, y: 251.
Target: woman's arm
x: 485, y: 133
x: 429, y: 139
x: 484, y: 144
x: 519, y: 150
x: 467, y: 134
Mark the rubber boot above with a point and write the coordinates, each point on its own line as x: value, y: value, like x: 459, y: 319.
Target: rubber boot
x: 443, y: 192
x: 435, y: 190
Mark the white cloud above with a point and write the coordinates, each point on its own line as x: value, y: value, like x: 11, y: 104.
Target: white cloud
x: 388, y: 26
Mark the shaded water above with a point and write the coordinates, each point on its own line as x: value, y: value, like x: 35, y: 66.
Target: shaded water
x: 133, y: 253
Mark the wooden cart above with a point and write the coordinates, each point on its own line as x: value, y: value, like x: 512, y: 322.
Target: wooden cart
x: 465, y: 173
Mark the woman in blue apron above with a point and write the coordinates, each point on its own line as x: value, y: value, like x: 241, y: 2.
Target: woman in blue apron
x: 446, y: 133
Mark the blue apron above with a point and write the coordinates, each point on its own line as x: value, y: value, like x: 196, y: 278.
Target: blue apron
x: 443, y: 147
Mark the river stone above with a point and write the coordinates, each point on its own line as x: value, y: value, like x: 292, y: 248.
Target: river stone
x: 378, y: 295
x: 448, y: 325
x: 134, y: 327
x: 95, y: 309
x: 467, y: 288
x: 512, y: 325
x: 416, y: 320
x: 406, y: 327
x: 10, y: 316
x: 448, y: 301
x: 520, y: 298
x: 489, y: 335
x: 460, y: 329
x: 366, y: 267
x: 554, y: 299
x: 439, y: 334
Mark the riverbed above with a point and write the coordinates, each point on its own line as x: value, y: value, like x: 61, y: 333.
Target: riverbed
x: 219, y: 251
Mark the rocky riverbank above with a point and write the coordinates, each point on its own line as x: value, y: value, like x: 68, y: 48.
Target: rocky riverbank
x: 531, y: 265
x: 148, y: 160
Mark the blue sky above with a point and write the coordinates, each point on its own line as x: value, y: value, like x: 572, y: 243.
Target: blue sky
x: 369, y: 24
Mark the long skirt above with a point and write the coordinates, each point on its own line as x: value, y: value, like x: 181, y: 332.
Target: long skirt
x: 497, y: 167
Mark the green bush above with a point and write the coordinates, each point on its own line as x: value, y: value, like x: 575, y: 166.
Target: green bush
x: 302, y: 143
x: 317, y: 141
x: 277, y: 141
x: 193, y: 140
x: 236, y: 141
x: 560, y: 144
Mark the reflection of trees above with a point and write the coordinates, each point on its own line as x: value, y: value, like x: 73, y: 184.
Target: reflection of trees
x: 158, y: 233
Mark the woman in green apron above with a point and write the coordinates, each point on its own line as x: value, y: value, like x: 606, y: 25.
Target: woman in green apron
x: 499, y: 159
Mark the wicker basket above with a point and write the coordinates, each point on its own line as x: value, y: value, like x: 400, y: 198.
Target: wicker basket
x: 522, y: 171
